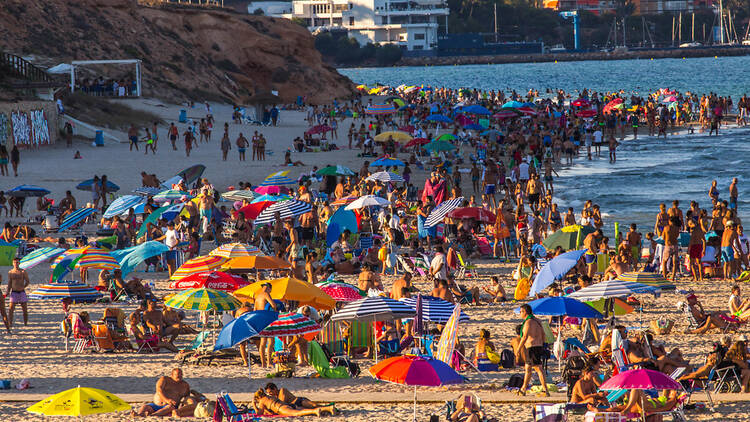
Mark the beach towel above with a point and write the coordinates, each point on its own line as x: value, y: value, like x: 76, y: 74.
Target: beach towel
x: 360, y: 335
x: 319, y: 361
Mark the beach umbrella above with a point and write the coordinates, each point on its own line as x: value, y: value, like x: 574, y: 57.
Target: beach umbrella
x: 151, y: 218
x: 90, y: 257
x: 670, y: 99
x: 75, y: 217
x: 416, y: 371
x: 513, y: 104
x: 566, y: 237
x: 239, y: 195
x: 612, y: 288
x: 476, y: 109
x: 277, y: 179
x: 133, y: 256
x: 642, y: 379
x: 344, y: 201
x: 288, y: 288
x: 147, y: 190
x: 203, y: 299
x: 649, y: 279
x: 561, y: 305
x: 362, y: 87
x: 506, y: 113
x: 439, y: 145
x: 616, y: 103
x: 122, y: 204
x: 79, y: 401
x: 251, y: 211
x: 438, y: 214
x: 216, y: 280
x: 446, y: 137
x: 380, y: 109
x: 438, y: 118
x: 376, y: 308
x: 555, y: 269
x: 474, y: 126
x: 199, y: 264
x: 271, y: 198
x: 619, y: 306
x: 417, y: 142
x: 76, y: 291
x: 244, y: 327
x: 337, y: 170
x: 24, y: 191
x: 340, y: 291
x: 38, y: 256
x: 387, y: 161
x: 291, y: 324
x: 270, y: 190
x: 400, y: 137
x: 191, y: 174
x: 171, y: 195
x: 479, y: 214
x: 435, y: 309
x: 385, y: 177
x: 418, y: 326
x: 581, y: 102
x: 256, y: 262
x: 286, y: 209
x: 235, y: 250
x: 318, y: 129
x: 88, y: 185
x: 399, y: 102
x: 368, y: 201
x: 527, y: 111
x: 586, y: 113
x: 341, y: 220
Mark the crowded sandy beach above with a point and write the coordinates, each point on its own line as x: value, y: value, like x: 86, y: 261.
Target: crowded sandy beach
x: 394, y: 256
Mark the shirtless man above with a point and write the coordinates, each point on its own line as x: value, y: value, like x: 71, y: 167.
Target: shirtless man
x: 633, y: 238
x: 398, y: 285
x: 18, y: 280
x: 264, y: 302
x: 205, y: 208
x: 172, y: 398
x: 671, y: 234
x: 489, y: 180
x: 729, y: 244
x: 533, y: 191
x: 245, y: 308
x: 155, y: 322
x: 531, y: 346
x: 443, y: 291
x: 733, y: 195
x: 616, y: 267
x: 591, y: 243
x: 586, y: 390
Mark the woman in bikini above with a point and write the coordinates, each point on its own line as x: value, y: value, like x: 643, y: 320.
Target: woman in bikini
x: 268, y: 405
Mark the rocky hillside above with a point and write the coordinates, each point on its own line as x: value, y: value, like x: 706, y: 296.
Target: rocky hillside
x: 187, y: 53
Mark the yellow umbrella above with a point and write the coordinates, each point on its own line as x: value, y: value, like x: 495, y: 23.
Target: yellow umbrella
x: 288, y: 288
x: 79, y: 402
x: 397, y: 136
x: 256, y: 262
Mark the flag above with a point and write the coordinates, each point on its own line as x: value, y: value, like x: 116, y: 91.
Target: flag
x: 64, y: 267
x: 448, y: 337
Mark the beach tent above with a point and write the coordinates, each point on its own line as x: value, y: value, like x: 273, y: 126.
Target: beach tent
x: 341, y: 220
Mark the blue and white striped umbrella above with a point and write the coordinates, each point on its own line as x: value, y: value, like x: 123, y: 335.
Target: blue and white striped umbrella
x: 612, y: 288
x: 286, y: 209
x: 40, y: 255
x: 375, y: 308
x: 148, y: 191
x: 438, y: 214
x: 277, y: 180
x: 385, y: 176
x: 76, y: 217
x: 435, y: 309
x: 171, y: 195
x: 122, y: 204
x: 239, y: 195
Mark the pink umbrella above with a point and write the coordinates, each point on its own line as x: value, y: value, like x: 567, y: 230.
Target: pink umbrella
x: 670, y: 99
x: 268, y: 190
x: 644, y: 379
x: 586, y: 113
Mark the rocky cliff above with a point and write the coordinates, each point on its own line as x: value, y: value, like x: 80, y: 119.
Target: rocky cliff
x: 187, y: 53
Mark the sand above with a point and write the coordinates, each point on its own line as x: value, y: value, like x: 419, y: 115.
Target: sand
x: 36, y: 352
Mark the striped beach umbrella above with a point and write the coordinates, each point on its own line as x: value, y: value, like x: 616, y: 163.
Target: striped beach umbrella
x: 448, y: 338
x: 122, y: 204
x: 75, y: 217
x: 171, y: 195
x: 235, y: 250
x: 77, y: 291
x: 385, y: 176
x: 286, y: 209
x: 271, y: 198
x: 216, y: 280
x: 612, y: 288
x: 148, y: 191
x: 203, y: 299
x: 377, y: 308
x: 435, y: 309
x: 291, y: 324
x: 649, y: 279
x: 239, y: 195
x: 438, y: 214
x: 199, y: 264
x: 278, y: 178
x: 340, y: 291
x: 380, y: 109
x: 38, y: 256
x: 91, y: 257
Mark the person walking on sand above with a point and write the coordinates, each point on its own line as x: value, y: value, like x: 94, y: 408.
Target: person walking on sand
x: 133, y: 136
x: 149, y: 140
x: 531, y: 347
x: 4, y: 161
x: 242, y: 146
x: 613, y: 149
x: 226, y: 145
x: 173, y: 134
x: 15, y: 159
x: 2, y: 310
x: 154, y: 136
x: 18, y: 280
x: 188, y: 142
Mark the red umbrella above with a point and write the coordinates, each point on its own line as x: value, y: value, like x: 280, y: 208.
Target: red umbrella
x: 251, y: 211
x: 528, y: 111
x: 586, y: 113
x: 612, y: 104
x: 417, y: 141
x: 581, y: 102
x: 216, y: 280
x: 506, y: 113
x: 476, y: 213
x: 318, y: 129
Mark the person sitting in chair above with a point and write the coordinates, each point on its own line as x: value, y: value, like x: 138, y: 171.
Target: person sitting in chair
x: 132, y: 287
x: 586, y: 390
x: 705, y: 320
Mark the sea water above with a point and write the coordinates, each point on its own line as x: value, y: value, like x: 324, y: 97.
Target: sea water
x: 648, y: 170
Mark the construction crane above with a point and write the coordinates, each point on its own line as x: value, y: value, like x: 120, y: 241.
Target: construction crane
x: 573, y: 14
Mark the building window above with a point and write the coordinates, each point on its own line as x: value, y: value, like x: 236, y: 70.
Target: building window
x: 418, y: 36
x: 351, y: 20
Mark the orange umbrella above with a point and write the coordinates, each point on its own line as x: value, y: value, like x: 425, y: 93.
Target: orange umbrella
x: 260, y: 262
x: 289, y: 288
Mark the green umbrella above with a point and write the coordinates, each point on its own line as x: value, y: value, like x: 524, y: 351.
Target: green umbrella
x: 436, y: 146
x: 337, y: 170
x: 400, y: 102
x: 446, y: 137
x: 155, y: 214
x: 565, y: 238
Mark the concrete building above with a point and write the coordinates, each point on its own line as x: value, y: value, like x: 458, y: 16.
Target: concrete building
x: 411, y: 25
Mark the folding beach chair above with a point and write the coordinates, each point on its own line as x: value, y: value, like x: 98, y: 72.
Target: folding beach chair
x: 322, y: 362
x: 225, y: 408
x: 102, y: 337
x: 465, y: 269
x: 84, y: 339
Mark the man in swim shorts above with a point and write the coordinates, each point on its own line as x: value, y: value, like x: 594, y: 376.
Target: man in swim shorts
x: 18, y: 280
x: 729, y: 244
x: 591, y: 243
x: 172, y: 398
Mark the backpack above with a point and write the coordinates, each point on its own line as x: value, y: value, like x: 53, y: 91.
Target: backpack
x: 515, y: 381
x: 507, y: 359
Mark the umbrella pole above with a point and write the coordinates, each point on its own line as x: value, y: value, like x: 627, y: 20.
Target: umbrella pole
x: 415, y: 403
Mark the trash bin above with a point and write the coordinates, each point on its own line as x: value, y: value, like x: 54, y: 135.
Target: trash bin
x: 99, y: 138
x: 183, y: 116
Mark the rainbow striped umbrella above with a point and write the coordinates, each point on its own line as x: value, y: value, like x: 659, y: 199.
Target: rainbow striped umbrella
x: 291, y: 324
x: 340, y: 291
x: 78, y: 292
x: 91, y: 257
x: 235, y: 250
x: 203, y: 299
x: 200, y: 264
x: 379, y: 109
x: 649, y: 279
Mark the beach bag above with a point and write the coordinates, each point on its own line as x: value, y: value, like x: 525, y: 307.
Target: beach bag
x: 492, y: 356
x: 507, y: 359
x: 522, y: 288
x: 661, y: 326
x: 205, y: 409
x: 515, y: 381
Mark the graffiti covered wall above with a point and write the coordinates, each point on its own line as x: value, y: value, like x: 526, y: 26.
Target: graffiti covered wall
x: 28, y: 124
